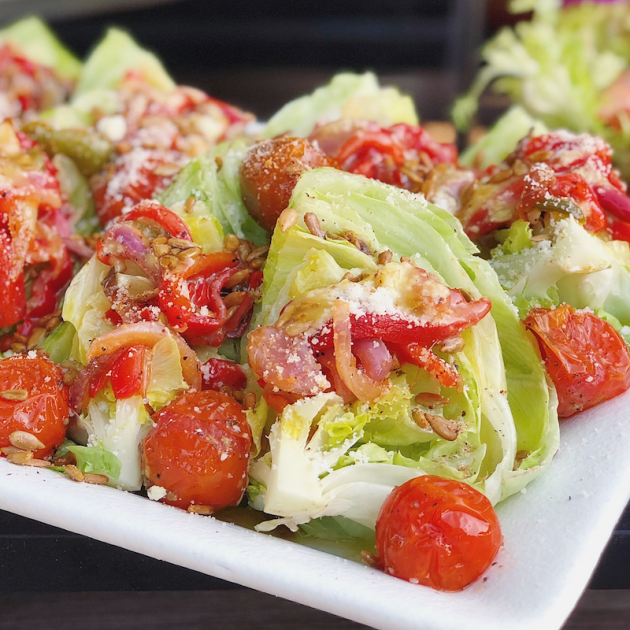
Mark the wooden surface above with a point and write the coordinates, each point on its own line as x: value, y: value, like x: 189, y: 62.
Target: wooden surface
x: 229, y: 610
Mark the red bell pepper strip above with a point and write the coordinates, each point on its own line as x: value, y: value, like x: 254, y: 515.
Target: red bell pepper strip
x: 167, y: 220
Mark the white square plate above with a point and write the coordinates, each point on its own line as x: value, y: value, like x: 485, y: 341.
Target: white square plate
x: 554, y: 535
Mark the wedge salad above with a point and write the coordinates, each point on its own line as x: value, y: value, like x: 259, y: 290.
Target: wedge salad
x: 330, y: 320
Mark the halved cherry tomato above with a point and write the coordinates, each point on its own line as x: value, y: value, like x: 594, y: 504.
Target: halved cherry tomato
x: 128, y: 374
x: 585, y: 356
x: 437, y: 532
x: 13, y: 291
x: 199, y: 450
x: 44, y: 411
x: 218, y: 373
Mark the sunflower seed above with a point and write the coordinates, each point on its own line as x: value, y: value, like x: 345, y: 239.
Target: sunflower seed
x: 95, y: 478
x: 231, y: 243
x: 313, y: 225
x: 419, y: 418
x: 385, y: 257
x: 237, y: 278
x: 234, y: 299
x: 446, y: 429
x: 20, y: 458
x: 14, y: 394
x: 74, y: 473
x: 287, y: 219
x: 26, y: 441
x: 203, y: 510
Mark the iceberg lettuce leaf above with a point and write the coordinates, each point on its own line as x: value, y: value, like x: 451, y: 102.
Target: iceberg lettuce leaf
x: 217, y: 194
x: 113, y: 58
x: 348, y: 95
x: 32, y: 39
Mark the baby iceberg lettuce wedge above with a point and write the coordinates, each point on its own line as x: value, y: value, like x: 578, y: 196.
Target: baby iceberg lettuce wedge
x: 327, y: 458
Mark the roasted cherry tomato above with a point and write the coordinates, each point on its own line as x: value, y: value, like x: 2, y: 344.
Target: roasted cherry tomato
x: 437, y: 532
x: 33, y: 398
x: 128, y: 374
x: 199, y: 451
x: 390, y: 154
x: 270, y: 172
x: 128, y: 179
x: 585, y: 356
x: 218, y: 373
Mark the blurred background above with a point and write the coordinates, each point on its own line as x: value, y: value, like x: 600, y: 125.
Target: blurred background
x: 260, y: 54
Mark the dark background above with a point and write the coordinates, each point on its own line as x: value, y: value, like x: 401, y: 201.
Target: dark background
x: 260, y: 53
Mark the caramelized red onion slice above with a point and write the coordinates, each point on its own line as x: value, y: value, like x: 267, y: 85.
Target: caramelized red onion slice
x: 359, y: 383
x: 148, y: 334
x: 125, y: 242
x: 375, y: 358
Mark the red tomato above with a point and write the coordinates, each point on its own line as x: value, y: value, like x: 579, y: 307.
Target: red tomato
x: 129, y: 179
x: 270, y: 172
x: 585, y: 356
x: 199, y: 450
x: 44, y: 412
x: 128, y: 374
x: 389, y: 154
x: 157, y: 213
x: 218, y: 373
x: 437, y: 532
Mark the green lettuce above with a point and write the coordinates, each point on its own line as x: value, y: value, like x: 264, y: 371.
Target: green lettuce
x: 114, y: 57
x: 502, y: 139
x: 217, y: 193
x: 330, y: 459
x: 85, y: 305
x: 573, y: 267
x: 34, y: 40
x: 553, y: 69
x: 59, y: 342
x: 75, y: 187
x: 348, y: 95
x: 409, y: 226
x: 96, y: 459
x: 119, y: 427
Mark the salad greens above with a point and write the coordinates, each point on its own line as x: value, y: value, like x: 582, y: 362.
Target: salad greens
x: 349, y: 96
x: 34, y: 40
x: 218, y: 207
x: 359, y: 452
x: 560, y: 67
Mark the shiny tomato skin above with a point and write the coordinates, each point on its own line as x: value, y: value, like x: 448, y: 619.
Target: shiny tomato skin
x: 437, y: 532
x: 270, y: 172
x: 44, y: 413
x: 218, y: 373
x: 199, y: 450
x: 128, y: 374
x: 585, y: 356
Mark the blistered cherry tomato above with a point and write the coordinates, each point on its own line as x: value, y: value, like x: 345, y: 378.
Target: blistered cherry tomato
x: 128, y: 374
x: 270, y: 172
x: 437, y: 532
x: 585, y: 356
x: 33, y: 398
x: 199, y: 450
x: 218, y: 373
